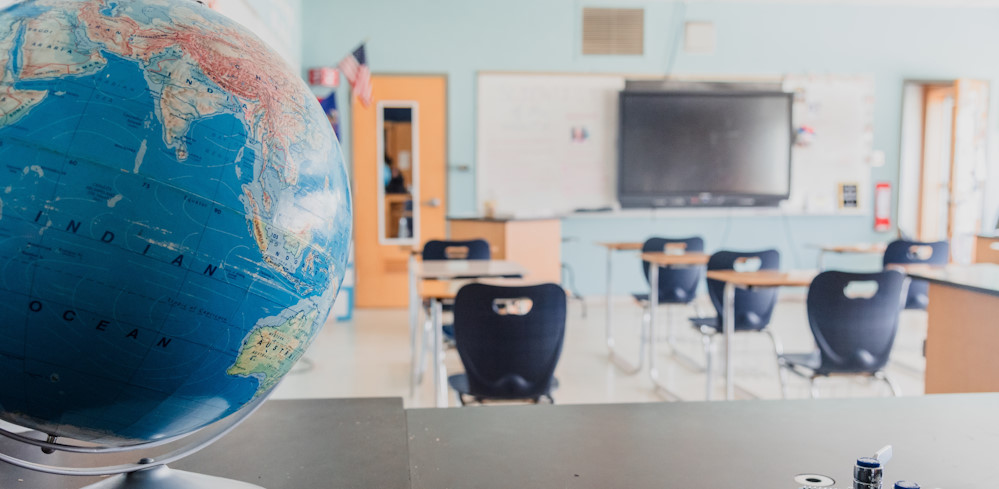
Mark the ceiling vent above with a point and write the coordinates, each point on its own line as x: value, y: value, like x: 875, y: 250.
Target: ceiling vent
x: 613, y: 30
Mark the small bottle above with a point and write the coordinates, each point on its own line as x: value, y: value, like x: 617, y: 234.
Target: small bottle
x: 403, y: 227
x: 867, y: 474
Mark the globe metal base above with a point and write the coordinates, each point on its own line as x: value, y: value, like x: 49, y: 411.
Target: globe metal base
x: 163, y: 477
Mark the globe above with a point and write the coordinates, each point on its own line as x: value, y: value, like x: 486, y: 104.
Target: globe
x: 174, y: 218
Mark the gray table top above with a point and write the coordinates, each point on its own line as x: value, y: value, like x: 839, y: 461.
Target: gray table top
x: 948, y: 442
x: 980, y: 277
x: 301, y: 444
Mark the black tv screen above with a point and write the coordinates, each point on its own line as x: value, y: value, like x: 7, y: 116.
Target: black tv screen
x: 710, y: 148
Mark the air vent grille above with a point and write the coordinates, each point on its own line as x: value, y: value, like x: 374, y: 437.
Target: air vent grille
x: 613, y: 30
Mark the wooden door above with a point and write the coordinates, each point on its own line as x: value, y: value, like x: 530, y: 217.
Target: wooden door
x: 968, y: 167
x: 934, y: 182
x: 381, y: 263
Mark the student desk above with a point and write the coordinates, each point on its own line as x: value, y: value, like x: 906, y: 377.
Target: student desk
x: 287, y: 444
x: 747, y: 280
x: 962, y: 335
x: 444, y: 270
x: 659, y: 260
x: 856, y: 249
x: 609, y: 318
x: 939, y: 441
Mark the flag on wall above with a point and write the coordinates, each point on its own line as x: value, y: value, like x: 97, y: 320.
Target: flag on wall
x: 355, y: 68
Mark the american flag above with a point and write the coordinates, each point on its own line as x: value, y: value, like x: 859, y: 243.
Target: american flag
x: 355, y: 67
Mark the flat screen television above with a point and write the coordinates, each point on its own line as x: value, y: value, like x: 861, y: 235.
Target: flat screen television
x: 704, y: 148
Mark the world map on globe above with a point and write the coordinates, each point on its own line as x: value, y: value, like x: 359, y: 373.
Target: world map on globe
x: 174, y: 218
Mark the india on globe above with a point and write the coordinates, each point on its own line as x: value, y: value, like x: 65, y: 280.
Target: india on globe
x: 174, y: 218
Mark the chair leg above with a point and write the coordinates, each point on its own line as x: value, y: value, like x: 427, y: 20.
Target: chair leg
x: 426, y: 339
x: 813, y: 389
x: 895, y: 391
x: 706, y: 340
x: 778, y: 351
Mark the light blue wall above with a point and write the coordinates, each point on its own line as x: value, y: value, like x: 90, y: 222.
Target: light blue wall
x: 460, y: 38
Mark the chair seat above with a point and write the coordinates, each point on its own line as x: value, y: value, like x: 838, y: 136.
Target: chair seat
x: 459, y: 382
x: 715, y: 324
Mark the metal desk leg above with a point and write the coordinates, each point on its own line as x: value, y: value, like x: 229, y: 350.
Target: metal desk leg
x: 615, y: 358
x: 609, y: 317
x: 649, y: 336
x: 414, y: 327
x: 729, y: 331
x: 440, y: 374
x: 822, y: 260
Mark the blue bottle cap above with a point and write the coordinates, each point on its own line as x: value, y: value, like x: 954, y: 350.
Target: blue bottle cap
x: 906, y: 485
x: 868, y: 462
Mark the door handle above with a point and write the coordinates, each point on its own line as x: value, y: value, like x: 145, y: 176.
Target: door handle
x: 434, y: 202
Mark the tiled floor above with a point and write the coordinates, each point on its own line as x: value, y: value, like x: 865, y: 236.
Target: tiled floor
x: 369, y: 356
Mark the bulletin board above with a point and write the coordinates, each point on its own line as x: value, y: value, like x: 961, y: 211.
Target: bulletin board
x: 546, y: 143
x: 833, y: 117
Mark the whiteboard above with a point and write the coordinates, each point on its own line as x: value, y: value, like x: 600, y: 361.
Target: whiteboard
x: 529, y: 163
x: 834, y: 118
x: 546, y: 143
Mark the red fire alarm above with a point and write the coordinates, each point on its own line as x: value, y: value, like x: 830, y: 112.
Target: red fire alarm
x: 882, y: 206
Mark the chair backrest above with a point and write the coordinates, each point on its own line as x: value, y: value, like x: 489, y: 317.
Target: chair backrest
x: 855, y: 334
x: 902, y: 252
x: 753, y: 308
x: 676, y: 284
x: 474, y: 249
x: 509, y: 354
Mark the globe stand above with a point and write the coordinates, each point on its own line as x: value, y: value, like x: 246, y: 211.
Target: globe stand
x: 148, y: 473
x: 163, y: 477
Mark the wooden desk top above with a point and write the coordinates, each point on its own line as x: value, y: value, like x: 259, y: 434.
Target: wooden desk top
x: 872, y: 248
x: 980, y: 277
x: 666, y: 259
x: 458, y: 269
x: 622, y: 245
x: 943, y: 441
x: 448, y: 289
x: 764, y: 278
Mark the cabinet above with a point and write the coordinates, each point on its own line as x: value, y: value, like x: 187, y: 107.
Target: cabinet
x: 535, y: 244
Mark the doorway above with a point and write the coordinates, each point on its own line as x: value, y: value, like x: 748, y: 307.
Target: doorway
x: 942, y: 171
x: 399, y: 144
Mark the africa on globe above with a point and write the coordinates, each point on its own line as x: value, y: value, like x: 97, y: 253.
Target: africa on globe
x: 174, y: 218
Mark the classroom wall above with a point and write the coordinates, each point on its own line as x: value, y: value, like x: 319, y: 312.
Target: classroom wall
x: 459, y: 38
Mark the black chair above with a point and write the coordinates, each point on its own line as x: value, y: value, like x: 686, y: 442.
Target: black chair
x: 474, y: 249
x: 855, y: 334
x: 677, y: 284
x: 753, y: 307
x: 902, y: 252
x: 509, y: 340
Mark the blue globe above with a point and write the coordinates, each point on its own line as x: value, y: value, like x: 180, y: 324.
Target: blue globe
x: 174, y: 218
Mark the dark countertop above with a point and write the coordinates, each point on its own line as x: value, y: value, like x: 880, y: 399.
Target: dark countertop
x: 504, y: 219
x: 980, y: 277
x: 939, y: 441
x: 287, y: 444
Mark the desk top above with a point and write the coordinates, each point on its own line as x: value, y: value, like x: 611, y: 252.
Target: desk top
x: 939, y: 441
x: 666, y: 259
x: 448, y: 289
x: 872, y: 248
x: 622, y: 245
x: 455, y: 269
x: 981, y: 277
x: 287, y: 444
x: 764, y: 278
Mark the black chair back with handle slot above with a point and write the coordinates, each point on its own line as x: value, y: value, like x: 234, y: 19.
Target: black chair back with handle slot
x: 509, y: 339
